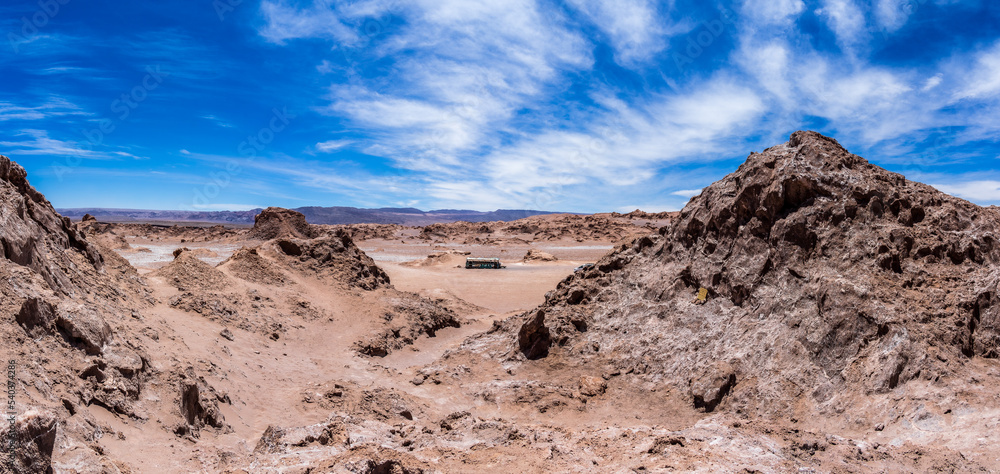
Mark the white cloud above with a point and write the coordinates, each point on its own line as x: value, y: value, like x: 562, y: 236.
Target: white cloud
x: 38, y: 142
x: 687, y: 193
x: 462, y: 70
x: 470, y: 195
x: 984, y: 79
x: 892, y: 14
x: 284, y: 22
x: 846, y: 20
x: 331, y: 146
x: 623, y: 146
x: 769, y: 64
x: 472, y: 100
x: 218, y: 121
x: 634, y: 27
x: 769, y: 12
x: 54, y: 107
x: 979, y: 191
x: 932, y: 82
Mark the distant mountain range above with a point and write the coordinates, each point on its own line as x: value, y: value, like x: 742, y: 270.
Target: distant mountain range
x: 314, y: 215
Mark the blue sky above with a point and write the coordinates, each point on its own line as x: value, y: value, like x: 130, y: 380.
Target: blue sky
x: 577, y: 105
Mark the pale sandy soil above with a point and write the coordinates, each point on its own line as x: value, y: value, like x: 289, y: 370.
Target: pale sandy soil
x: 266, y: 379
x: 519, y: 286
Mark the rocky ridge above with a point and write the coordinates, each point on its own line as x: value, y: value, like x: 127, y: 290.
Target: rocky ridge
x: 809, y: 290
x: 818, y: 269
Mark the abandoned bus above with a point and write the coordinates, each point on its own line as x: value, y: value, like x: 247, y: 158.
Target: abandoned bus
x: 473, y: 262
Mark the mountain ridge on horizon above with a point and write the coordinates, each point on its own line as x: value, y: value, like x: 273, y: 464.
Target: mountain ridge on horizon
x: 334, y: 215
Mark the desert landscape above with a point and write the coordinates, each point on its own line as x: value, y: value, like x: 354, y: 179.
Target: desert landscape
x: 809, y: 312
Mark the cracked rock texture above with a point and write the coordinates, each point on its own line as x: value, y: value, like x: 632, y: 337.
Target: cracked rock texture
x: 828, y: 279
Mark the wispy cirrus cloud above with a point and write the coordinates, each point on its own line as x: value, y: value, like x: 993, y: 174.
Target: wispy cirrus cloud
x: 461, y: 70
x: 984, y: 191
x: 846, y: 20
x: 331, y: 146
x: 439, y: 111
x: 575, y: 105
x: 51, y: 108
x: 38, y: 142
x: 637, y: 29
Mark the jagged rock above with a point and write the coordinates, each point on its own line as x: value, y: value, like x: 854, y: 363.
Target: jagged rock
x: 33, y: 235
x: 187, y: 272
x: 37, y: 317
x: 115, y: 380
x: 333, y: 257
x: 88, y: 218
x: 83, y: 327
x: 452, y: 421
x: 819, y: 270
x: 199, y: 406
x: 278, y: 440
x: 533, y: 338
x: 79, y: 325
x: 275, y: 223
x: 373, y: 460
x: 708, y: 389
x: 35, y: 437
x: 411, y: 317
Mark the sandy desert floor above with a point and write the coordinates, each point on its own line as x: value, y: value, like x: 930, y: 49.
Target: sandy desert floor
x: 267, y: 380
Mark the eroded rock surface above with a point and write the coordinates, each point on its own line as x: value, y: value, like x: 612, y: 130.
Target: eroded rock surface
x: 822, y: 271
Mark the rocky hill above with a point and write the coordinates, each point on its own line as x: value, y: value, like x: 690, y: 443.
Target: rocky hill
x: 808, y: 267
x: 808, y: 289
x: 67, y: 306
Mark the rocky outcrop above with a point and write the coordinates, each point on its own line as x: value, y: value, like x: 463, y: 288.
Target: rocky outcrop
x: 188, y: 272
x: 67, y: 299
x: 533, y: 339
x: 598, y: 227
x: 409, y: 317
x: 275, y: 223
x: 334, y: 258
x: 815, y: 269
x: 199, y: 406
x: 538, y: 256
x: 248, y: 264
x: 33, y: 235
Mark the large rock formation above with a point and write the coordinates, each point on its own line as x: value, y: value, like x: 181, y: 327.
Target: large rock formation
x: 64, y: 302
x: 334, y: 258
x: 34, y: 236
x: 806, y: 280
x: 275, y: 222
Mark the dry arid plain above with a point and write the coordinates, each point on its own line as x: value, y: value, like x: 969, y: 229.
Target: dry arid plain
x: 810, y: 312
